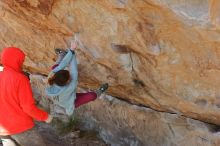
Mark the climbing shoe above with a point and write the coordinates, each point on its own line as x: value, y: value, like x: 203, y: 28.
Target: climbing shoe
x: 102, y: 89
x: 59, y: 51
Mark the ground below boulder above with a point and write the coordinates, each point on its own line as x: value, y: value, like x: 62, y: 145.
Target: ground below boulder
x: 72, y: 138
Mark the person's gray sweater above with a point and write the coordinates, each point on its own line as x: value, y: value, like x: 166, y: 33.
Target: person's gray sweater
x: 65, y: 96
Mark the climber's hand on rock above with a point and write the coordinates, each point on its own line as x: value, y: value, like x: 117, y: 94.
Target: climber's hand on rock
x: 73, y: 45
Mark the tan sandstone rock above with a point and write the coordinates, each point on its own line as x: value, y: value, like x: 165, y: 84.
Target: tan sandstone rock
x: 162, y: 54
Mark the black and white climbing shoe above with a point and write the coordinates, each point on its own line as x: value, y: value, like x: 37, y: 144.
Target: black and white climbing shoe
x: 59, y: 51
x: 102, y: 89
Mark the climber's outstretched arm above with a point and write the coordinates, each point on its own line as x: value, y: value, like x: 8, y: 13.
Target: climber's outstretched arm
x: 65, y: 62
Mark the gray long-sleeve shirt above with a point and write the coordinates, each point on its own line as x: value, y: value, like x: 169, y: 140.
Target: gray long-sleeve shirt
x: 65, y: 96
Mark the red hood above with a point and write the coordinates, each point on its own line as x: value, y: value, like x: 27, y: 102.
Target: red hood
x: 12, y: 58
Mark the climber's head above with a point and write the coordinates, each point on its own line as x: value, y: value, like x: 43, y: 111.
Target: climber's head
x: 61, y: 78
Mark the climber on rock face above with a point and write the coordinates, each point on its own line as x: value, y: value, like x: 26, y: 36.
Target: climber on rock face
x: 17, y: 105
x: 63, y: 83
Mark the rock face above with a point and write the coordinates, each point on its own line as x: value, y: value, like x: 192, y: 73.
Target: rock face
x: 162, y: 54
x: 122, y: 124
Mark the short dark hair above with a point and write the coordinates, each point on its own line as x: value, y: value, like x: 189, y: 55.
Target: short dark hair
x: 60, y: 78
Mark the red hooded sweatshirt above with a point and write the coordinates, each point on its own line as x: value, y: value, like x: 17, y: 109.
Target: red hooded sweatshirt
x: 17, y: 105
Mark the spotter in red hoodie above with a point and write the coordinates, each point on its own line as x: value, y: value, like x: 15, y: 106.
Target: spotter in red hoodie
x: 17, y: 105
